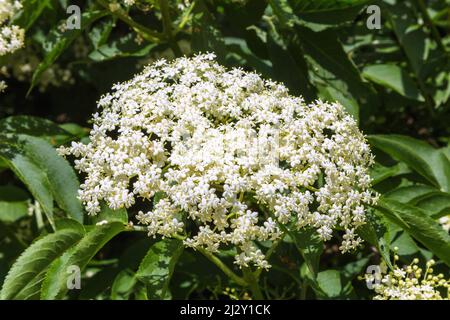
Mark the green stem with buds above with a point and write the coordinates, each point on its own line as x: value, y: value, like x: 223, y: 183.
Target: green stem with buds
x: 143, y: 31
x: 233, y: 276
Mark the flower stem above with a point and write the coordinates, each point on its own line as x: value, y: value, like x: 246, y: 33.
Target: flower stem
x: 270, y: 252
x: 143, y: 31
x: 253, y: 283
x: 136, y: 228
x: 185, y: 18
x: 167, y: 25
x: 233, y: 276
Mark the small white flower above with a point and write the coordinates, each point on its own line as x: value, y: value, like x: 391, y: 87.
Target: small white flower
x: 445, y: 222
x: 101, y: 223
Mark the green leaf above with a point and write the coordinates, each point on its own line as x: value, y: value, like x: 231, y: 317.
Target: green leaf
x: 110, y: 215
x: 55, y: 283
x: 376, y: 232
x: 405, y: 244
x: 446, y: 152
x: 288, y: 67
x: 432, y: 201
x: 284, y: 12
x: 30, y: 174
x: 331, y: 94
x: 325, y: 5
x: 239, y: 50
x: 436, y: 204
x: 243, y: 14
x: 44, y: 172
x: 331, y: 70
x: 57, y: 42
x: 332, y: 285
x: 427, y: 161
x: 129, y: 259
x: 123, y: 285
x: 320, y: 14
x: 75, y: 130
x: 441, y: 90
x: 27, y: 271
x: 380, y: 173
x: 100, y: 32
x: 324, y: 50
x: 428, y: 59
x: 393, y: 77
x: 63, y: 180
x: 98, y: 284
x: 418, y: 225
x: 411, y: 36
x: 13, y: 203
x: 67, y: 223
x: 354, y: 268
x: 410, y: 194
x: 123, y: 47
x: 141, y: 292
x: 157, y: 267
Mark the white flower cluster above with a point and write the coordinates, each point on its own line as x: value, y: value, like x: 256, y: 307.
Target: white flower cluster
x: 129, y: 2
x: 409, y: 284
x: 11, y: 36
x: 228, y: 155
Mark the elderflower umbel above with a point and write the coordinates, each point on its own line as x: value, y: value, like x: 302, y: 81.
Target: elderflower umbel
x: 409, y: 284
x: 11, y: 36
x: 230, y: 156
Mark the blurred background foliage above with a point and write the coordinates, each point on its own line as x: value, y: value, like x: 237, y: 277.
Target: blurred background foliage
x: 395, y: 80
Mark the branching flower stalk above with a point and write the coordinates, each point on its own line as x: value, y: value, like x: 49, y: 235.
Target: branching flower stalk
x: 168, y: 34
